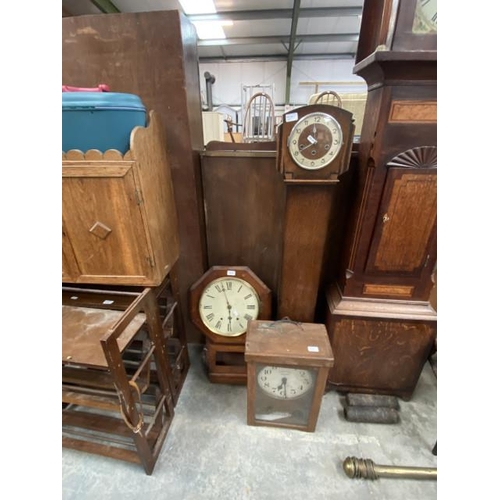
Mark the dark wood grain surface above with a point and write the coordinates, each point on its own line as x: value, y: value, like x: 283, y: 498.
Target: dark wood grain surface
x: 244, y: 203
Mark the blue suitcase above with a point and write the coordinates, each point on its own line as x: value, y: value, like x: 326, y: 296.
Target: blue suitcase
x: 100, y: 120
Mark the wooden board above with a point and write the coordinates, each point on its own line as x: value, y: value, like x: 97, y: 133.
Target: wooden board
x: 244, y: 204
x: 83, y: 328
x: 286, y: 342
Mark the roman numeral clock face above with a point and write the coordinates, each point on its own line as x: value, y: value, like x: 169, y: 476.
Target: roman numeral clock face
x: 227, y: 305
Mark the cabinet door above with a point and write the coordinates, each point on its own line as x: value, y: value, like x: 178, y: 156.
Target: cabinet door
x: 405, y: 231
x: 103, y: 221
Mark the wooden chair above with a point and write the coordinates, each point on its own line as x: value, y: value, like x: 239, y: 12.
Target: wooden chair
x: 116, y: 379
x: 259, y: 119
x: 327, y: 97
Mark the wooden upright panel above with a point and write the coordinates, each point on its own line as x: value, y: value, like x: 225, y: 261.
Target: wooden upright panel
x: 304, y: 236
x: 244, y: 203
x: 152, y: 55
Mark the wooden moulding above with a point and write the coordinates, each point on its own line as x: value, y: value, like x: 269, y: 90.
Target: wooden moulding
x: 375, y: 308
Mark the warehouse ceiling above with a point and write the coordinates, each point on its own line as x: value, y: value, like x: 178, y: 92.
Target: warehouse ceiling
x: 230, y: 30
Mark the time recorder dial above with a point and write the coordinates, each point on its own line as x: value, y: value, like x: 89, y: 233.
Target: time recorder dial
x: 283, y: 382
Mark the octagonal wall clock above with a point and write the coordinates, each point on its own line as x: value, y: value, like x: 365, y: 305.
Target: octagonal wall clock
x: 222, y: 302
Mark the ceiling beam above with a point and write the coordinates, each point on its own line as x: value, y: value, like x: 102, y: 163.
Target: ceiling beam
x: 291, y: 49
x: 255, y: 40
x: 276, y: 57
x: 106, y: 6
x: 256, y: 15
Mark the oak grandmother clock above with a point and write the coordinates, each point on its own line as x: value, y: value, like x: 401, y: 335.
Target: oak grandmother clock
x: 314, y: 149
x: 379, y: 319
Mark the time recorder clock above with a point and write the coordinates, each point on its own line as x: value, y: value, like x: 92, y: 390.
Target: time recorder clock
x: 287, y: 364
x: 222, y: 302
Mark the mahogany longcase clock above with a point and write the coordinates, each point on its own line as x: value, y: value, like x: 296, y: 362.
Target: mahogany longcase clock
x: 380, y: 322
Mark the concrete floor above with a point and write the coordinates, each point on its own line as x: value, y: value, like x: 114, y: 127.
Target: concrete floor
x: 211, y: 453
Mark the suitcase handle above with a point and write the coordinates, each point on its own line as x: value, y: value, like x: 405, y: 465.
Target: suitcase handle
x: 102, y: 87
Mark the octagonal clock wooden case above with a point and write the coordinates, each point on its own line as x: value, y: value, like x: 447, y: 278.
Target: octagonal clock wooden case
x: 222, y: 302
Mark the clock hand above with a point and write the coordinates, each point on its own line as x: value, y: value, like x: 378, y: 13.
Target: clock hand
x: 283, y: 383
x: 227, y: 301
x: 312, y: 143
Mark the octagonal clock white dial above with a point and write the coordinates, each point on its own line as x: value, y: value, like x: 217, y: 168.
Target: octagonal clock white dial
x: 227, y: 304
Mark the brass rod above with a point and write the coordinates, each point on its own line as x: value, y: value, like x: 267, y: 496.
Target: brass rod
x: 366, y: 469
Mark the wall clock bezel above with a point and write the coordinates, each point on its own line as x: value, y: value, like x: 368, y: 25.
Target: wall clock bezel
x: 227, y: 273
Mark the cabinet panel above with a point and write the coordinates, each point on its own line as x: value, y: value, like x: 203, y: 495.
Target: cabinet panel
x: 405, y: 224
x: 104, y: 223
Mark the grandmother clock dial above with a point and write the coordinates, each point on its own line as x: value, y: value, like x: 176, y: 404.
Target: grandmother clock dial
x: 380, y: 302
x: 222, y: 302
x: 314, y: 149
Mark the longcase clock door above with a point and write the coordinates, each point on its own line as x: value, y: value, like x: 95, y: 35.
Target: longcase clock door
x: 404, y: 238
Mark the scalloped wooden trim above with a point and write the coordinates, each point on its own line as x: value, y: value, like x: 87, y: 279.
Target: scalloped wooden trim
x: 95, y: 155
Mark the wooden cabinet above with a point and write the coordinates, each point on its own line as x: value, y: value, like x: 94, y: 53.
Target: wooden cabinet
x: 119, y: 216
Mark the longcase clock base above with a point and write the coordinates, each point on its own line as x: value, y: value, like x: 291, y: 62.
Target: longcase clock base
x: 380, y: 345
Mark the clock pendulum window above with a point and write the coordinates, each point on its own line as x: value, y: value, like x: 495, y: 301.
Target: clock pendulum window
x: 287, y: 365
x: 379, y: 319
x: 314, y: 149
x: 222, y: 302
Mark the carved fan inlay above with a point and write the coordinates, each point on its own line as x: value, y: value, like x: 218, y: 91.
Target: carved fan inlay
x: 421, y: 157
